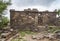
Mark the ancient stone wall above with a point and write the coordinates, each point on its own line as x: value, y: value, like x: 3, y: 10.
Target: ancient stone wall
x: 49, y: 17
x: 21, y: 19
x: 30, y: 18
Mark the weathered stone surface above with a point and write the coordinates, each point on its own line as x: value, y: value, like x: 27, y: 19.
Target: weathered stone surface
x: 28, y: 18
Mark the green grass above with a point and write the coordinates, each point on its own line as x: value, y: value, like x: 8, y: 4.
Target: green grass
x: 53, y: 29
x: 18, y: 40
x: 23, y: 33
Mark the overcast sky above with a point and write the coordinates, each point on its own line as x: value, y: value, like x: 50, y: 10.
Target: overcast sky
x: 39, y: 4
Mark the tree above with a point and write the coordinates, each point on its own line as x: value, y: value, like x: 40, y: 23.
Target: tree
x: 3, y: 7
x: 5, y: 21
x: 59, y: 12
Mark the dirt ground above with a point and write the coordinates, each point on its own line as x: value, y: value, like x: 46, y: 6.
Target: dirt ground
x: 34, y: 37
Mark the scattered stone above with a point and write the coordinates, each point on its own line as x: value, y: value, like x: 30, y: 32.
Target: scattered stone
x: 2, y: 39
x: 4, y: 35
x: 33, y: 37
x: 38, y: 36
x: 11, y: 29
x: 20, y: 37
x: 57, y: 34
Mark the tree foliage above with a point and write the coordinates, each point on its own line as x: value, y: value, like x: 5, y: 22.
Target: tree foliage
x: 59, y: 12
x: 3, y: 6
x: 4, y: 22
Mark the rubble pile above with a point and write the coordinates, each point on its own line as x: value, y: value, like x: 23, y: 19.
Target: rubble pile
x: 49, y: 36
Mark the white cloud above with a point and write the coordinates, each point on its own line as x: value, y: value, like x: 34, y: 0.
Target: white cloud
x: 55, y: 5
x: 32, y: 2
x: 44, y: 5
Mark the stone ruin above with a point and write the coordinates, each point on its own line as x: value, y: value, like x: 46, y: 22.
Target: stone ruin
x: 28, y: 19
